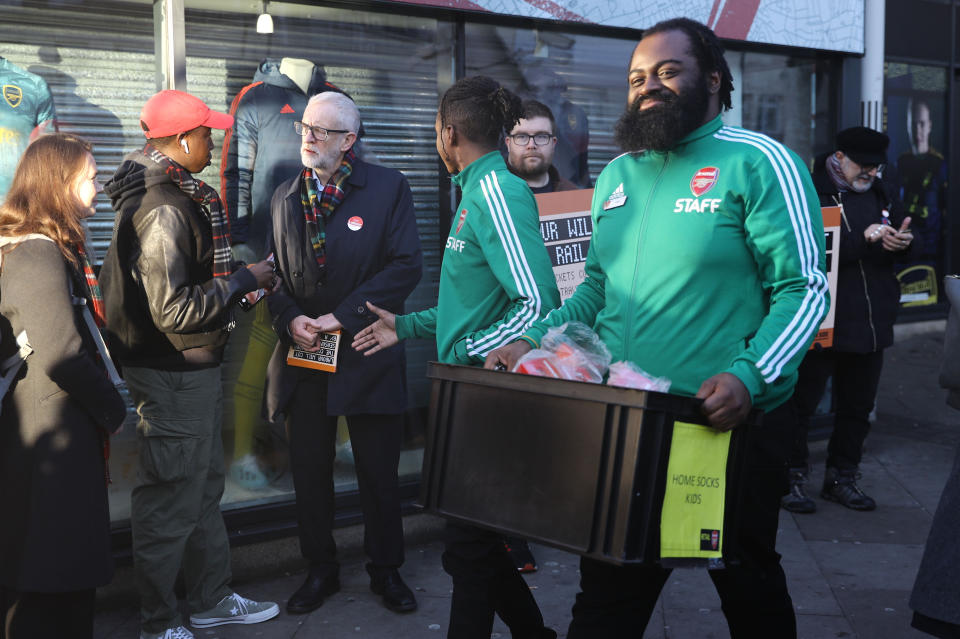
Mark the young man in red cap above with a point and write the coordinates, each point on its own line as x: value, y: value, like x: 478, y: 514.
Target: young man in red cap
x: 170, y: 287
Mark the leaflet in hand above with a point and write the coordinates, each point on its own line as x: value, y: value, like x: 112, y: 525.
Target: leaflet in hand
x: 324, y: 359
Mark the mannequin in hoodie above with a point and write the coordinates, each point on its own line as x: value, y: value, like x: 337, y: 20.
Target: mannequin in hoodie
x: 265, y: 111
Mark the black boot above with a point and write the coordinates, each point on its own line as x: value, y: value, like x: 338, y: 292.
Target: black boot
x: 797, y: 500
x: 387, y: 582
x: 841, y: 486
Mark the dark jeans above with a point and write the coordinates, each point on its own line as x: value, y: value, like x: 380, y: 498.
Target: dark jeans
x: 855, y: 380
x: 616, y: 602
x: 485, y: 582
x: 46, y: 615
x: 376, y: 441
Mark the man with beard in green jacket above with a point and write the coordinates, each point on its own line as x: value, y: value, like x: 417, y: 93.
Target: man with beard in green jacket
x: 706, y: 266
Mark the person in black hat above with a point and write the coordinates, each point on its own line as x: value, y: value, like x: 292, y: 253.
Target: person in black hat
x: 874, y: 233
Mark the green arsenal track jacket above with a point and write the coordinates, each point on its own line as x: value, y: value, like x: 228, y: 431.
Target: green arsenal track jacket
x: 496, y: 278
x: 704, y: 259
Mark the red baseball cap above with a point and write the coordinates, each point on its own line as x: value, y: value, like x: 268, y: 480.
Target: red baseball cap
x: 170, y: 112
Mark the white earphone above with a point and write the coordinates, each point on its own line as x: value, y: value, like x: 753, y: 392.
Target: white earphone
x: 186, y: 147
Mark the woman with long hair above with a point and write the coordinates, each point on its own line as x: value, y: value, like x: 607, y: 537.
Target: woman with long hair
x: 58, y: 412
x: 495, y: 281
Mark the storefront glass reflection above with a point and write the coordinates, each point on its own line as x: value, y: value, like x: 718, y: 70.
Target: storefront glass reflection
x: 395, y: 67
x: 916, y: 108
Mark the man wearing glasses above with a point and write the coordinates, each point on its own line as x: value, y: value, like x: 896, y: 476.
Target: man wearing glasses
x: 530, y: 148
x: 874, y: 233
x: 344, y: 232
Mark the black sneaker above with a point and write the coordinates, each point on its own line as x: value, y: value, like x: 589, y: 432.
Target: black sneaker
x: 841, y: 486
x: 521, y: 555
x: 797, y: 500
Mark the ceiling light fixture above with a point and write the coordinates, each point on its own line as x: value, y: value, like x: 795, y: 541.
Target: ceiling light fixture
x: 265, y: 21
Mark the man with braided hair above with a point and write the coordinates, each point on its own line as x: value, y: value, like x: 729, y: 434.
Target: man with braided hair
x: 495, y: 281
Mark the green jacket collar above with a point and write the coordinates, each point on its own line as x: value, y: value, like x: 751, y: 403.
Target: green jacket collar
x: 703, y: 131
x: 480, y: 166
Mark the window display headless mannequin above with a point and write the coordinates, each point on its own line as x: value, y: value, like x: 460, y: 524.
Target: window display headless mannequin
x: 245, y: 469
x: 298, y: 70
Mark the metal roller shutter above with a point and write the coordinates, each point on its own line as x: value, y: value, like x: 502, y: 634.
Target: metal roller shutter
x: 388, y: 64
x: 98, y: 60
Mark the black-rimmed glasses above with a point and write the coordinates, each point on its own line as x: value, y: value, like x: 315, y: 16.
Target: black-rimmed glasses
x: 320, y: 134
x: 523, y: 139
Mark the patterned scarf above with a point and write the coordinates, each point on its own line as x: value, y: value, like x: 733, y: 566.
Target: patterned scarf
x: 835, y: 171
x: 318, y: 207
x: 97, y: 307
x: 202, y: 194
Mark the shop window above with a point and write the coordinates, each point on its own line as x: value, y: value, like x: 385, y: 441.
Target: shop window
x: 783, y: 96
x: 581, y: 78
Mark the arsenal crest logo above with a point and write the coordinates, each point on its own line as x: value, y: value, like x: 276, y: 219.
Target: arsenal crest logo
x: 703, y: 180
x: 12, y: 94
x: 463, y: 218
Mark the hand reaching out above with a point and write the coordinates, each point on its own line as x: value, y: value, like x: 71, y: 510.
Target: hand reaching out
x: 379, y: 335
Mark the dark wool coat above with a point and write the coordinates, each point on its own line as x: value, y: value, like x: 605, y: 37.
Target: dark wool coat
x: 868, y: 293
x: 55, y: 535
x: 372, y: 254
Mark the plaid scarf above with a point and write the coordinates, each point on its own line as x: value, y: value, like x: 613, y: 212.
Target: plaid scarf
x: 97, y: 306
x: 832, y: 165
x: 318, y: 207
x: 202, y: 194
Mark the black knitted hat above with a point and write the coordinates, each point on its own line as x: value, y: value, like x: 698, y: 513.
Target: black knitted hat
x: 864, y: 146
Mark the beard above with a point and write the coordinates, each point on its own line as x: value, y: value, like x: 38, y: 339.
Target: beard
x: 660, y: 127
x: 527, y: 169
x: 322, y: 160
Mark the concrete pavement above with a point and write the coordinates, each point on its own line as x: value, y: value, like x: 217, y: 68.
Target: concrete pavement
x: 850, y: 573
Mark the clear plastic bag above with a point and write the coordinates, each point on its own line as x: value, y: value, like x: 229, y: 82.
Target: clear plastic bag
x: 570, y: 351
x: 629, y: 375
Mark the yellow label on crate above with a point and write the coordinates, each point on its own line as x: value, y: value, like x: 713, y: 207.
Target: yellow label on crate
x: 691, y: 523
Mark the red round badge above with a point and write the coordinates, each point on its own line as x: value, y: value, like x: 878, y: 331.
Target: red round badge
x: 355, y: 223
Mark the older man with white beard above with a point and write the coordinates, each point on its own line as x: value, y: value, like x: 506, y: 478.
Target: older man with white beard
x: 344, y: 232
x: 874, y: 235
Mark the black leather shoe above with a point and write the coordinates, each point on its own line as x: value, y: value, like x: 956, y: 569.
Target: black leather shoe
x: 317, y: 587
x: 387, y: 583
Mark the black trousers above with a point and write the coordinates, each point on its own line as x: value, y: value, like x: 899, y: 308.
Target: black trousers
x: 855, y: 380
x: 616, y: 602
x: 46, y: 615
x: 485, y: 582
x: 376, y: 441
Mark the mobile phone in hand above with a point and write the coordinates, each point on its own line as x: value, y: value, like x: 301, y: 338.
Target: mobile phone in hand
x: 250, y: 300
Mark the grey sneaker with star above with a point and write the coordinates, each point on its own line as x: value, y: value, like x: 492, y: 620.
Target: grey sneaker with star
x: 235, y: 609
x: 179, y: 632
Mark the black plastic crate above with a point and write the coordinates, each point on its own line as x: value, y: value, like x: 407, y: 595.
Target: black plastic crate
x: 577, y: 466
